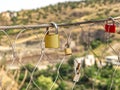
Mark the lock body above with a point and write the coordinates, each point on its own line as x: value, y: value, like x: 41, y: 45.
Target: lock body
x: 52, y: 41
x: 76, y: 77
x: 111, y: 28
x: 68, y: 51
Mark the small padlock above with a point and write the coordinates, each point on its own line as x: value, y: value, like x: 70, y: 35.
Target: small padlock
x: 76, y: 77
x: 52, y: 39
x: 68, y: 50
x: 111, y: 28
x: 77, y: 71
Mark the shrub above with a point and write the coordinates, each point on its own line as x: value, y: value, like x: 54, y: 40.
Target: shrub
x: 46, y: 82
x: 71, y: 60
x: 95, y: 43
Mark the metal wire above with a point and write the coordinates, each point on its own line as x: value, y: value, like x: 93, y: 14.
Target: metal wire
x: 108, y: 44
x: 113, y: 77
x: 41, y: 56
x: 15, y: 55
x: 114, y: 72
x: 74, y: 85
x: 88, y: 48
x: 58, y: 72
x: 11, y: 46
x: 117, y: 53
x: 42, y: 53
x: 60, y: 25
x: 89, y: 42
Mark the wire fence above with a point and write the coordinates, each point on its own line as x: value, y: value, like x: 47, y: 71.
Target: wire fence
x: 17, y: 51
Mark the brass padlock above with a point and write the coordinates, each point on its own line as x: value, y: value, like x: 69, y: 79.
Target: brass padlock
x: 68, y: 50
x: 52, y: 39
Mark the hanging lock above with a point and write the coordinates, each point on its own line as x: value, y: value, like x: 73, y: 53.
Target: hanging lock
x: 111, y: 28
x: 76, y: 77
x: 77, y: 73
x: 68, y: 50
x: 52, y: 39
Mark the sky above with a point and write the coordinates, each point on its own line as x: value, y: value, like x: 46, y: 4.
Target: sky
x: 16, y: 5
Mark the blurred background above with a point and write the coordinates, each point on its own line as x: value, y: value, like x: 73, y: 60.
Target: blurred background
x: 20, y: 52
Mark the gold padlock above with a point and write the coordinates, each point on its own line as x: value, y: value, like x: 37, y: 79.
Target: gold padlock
x: 52, y: 40
x: 68, y: 50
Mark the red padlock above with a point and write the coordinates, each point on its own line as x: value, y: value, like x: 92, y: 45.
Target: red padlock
x: 111, y: 28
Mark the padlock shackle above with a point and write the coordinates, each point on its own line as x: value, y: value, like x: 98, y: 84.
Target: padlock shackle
x: 67, y: 45
x: 55, y: 25
x: 111, y: 20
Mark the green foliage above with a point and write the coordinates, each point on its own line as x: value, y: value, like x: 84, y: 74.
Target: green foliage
x: 90, y: 71
x: 62, y: 86
x: 21, y: 76
x: 45, y: 16
x: 107, y: 11
x: 46, y: 82
x: 14, y: 19
x: 71, y: 60
x: 65, y: 71
x: 48, y: 72
x: 95, y: 43
x: 30, y: 67
x: 73, y: 5
x: 89, y: 76
x: 25, y: 21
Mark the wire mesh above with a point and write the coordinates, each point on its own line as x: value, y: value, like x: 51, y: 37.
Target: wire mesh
x: 17, y: 58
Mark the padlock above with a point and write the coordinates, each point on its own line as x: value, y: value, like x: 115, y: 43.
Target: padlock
x: 76, y: 77
x: 77, y: 71
x: 68, y: 50
x: 111, y: 28
x: 52, y: 39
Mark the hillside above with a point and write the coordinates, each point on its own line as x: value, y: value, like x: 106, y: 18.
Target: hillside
x: 27, y: 47
x: 63, y: 12
x: 60, y: 13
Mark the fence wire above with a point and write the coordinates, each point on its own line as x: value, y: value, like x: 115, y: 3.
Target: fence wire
x: 17, y: 58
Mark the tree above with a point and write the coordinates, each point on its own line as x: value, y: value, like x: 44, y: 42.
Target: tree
x: 46, y: 82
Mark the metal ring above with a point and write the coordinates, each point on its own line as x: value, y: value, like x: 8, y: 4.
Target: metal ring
x: 110, y: 18
x: 55, y: 25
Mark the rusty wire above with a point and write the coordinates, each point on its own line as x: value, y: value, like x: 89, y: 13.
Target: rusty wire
x: 60, y: 25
